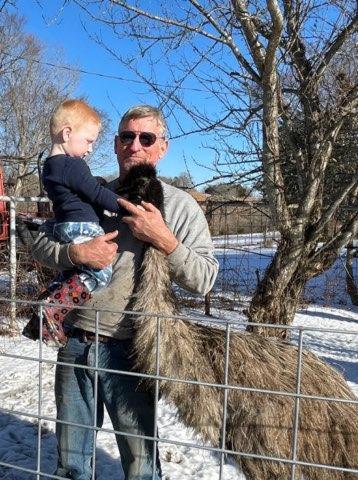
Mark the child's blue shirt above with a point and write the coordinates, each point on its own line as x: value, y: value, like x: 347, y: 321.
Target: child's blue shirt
x: 76, y: 195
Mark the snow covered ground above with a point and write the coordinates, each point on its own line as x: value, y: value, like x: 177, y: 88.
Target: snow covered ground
x: 19, y: 392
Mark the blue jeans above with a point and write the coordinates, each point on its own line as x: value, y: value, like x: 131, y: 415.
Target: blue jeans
x: 80, y: 232
x: 129, y: 405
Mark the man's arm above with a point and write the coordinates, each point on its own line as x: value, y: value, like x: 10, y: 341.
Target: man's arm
x: 192, y: 264
x: 96, y: 253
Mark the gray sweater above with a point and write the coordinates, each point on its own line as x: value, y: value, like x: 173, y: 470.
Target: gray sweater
x: 192, y: 264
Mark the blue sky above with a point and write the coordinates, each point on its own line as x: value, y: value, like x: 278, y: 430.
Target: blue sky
x: 61, y: 28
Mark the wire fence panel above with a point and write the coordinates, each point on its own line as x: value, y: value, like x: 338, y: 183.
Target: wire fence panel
x: 229, y: 328
x: 244, y: 241
x: 20, y: 225
x: 243, y: 253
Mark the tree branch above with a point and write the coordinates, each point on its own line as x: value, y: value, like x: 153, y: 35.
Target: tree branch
x: 295, y: 46
x: 17, y: 158
x: 274, y: 39
x: 3, y: 5
x: 164, y: 20
x: 329, y: 213
x: 347, y: 232
x: 335, y: 45
x: 228, y: 40
x: 251, y: 34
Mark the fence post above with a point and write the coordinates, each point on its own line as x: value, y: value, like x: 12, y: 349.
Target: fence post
x: 208, y: 304
x: 156, y: 399
x: 13, y: 263
x: 297, y: 403
x: 225, y: 399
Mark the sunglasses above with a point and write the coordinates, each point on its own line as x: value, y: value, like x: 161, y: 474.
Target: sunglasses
x: 146, y: 139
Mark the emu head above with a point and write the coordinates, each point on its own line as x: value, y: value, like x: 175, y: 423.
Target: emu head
x: 141, y: 183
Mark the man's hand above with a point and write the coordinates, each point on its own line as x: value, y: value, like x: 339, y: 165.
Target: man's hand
x: 97, y: 253
x: 147, y: 224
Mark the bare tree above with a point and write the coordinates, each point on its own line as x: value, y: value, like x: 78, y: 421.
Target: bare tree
x: 183, y: 180
x: 227, y: 190
x: 245, y: 71
x: 29, y: 91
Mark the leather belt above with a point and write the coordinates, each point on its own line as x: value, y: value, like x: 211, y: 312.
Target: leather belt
x: 87, y: 336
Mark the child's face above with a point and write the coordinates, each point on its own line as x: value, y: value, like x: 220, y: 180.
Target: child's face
x: 79, y: 141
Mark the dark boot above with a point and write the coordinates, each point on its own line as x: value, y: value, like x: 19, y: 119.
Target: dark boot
x: 32, y: 328
x: 65, y: 295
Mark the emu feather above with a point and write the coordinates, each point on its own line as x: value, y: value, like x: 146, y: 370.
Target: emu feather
x: 257, y: 423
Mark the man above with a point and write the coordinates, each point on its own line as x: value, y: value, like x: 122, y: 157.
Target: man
x: 185, y: 240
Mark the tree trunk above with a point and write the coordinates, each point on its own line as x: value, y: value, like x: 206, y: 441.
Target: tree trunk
x: 278, y: 293
x: 19, y: 180
x: 352, y: 288
x: 276, y: 297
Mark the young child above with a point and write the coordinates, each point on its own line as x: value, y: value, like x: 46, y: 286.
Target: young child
x: 78, y: 202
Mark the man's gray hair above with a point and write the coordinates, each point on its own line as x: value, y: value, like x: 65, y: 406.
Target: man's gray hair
x: 141, y: 111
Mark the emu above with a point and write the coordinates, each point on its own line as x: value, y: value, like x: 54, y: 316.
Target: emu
x: 256, y: 423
